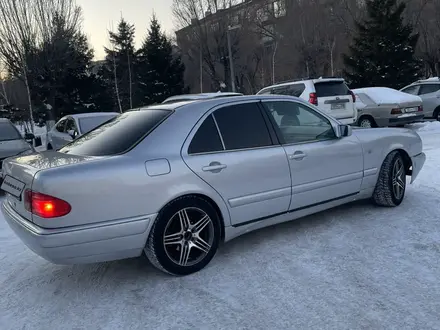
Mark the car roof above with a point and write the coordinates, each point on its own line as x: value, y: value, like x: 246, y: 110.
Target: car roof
x: 205, y: 104
x: 303, y: 81
x: 201, y: 96
x: 5, y: 120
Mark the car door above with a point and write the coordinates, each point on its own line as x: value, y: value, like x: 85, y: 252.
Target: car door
x: 323, y: 167
x: 235, y: 151
x: 57, y: 134
x: 430, y: 94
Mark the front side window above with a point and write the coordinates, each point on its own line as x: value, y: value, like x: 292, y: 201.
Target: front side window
x: 61, y: 125
x: 242, y: 126
x: 429, y: 88
x: 118, y: 135
x: 298, y: 123
x: 8, y: 132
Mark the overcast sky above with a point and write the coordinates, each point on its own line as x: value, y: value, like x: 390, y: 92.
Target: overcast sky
x: 100, y: 14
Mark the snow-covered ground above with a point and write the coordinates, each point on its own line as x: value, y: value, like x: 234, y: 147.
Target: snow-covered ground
x: 354, y: 267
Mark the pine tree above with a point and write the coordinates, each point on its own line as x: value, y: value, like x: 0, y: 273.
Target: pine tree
x: 160, y: 71
x: 383, y: 50
x: 118, y: 71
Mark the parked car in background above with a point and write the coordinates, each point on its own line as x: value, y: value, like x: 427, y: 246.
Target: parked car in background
x: 381, y: 106
x: 331, y: 95
x: 12, y: 142
x: 429, y: 92
x: 175, y: 180
x: 201, y: 96
x: 71, y: 127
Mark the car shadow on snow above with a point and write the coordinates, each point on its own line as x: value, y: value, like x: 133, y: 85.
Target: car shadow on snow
x: 134, y: 269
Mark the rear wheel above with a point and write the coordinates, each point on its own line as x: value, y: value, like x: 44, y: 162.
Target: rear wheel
x: 366, y: 122
x: 185, y: 236
x: 391, y: 184
x: 437, y: 114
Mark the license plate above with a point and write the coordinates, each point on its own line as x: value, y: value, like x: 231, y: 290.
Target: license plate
x: 13, y: 186
x: 414, y: 109
x: 338, y: 106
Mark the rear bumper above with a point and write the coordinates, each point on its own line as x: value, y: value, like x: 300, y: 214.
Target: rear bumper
x: 417, y: 164
x: 83, y: 244
x: 405, y: 120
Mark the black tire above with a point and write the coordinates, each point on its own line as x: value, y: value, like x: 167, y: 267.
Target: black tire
x: 437, y: 114
x: 385, y: 193
x: 366, y: 122
x: 49, y: 147
x: 155, y: 247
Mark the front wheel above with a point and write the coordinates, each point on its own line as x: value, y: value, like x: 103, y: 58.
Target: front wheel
x: 391, y: 184
x: 185, y: 236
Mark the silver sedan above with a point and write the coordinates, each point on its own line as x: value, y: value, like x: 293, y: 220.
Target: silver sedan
x: 176, y: 180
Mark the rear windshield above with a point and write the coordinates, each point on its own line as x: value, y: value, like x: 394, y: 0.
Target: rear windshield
x: 118, y: 135
x: 331, y: 88
x: 88, y: 123
x: 8, y: 132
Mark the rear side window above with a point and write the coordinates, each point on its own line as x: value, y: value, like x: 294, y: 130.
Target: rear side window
x: 331, y: 88
x: 242, y: 126
x: 206, y: 139
x: 292, y: 90
x: 117, y: 135
x: 429, y: 88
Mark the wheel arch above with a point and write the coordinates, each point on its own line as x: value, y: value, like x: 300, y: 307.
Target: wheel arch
x: 221, y: 211
x: 406, y: 159
x: 367, y: 116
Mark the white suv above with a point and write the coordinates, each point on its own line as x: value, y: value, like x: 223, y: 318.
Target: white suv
x: 329, y: 94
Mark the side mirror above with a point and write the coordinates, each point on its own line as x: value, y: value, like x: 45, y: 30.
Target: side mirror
x: 29, y: 136
x: 345, y: 130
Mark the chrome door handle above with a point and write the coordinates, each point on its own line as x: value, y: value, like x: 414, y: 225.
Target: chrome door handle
x: 214, y: 167
x: 298, y: 155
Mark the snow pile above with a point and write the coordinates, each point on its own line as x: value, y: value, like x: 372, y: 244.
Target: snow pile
x: 385, y: 95
x: 427, y: 126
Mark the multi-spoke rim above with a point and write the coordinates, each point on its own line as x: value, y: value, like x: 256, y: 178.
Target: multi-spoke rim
x: 398, y: 179
x: 366, y: 123
x: 188, y: 236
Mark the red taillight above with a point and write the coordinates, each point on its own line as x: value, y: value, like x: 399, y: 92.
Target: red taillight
x: 396, y: 111
x: 420, y: 108
x: 353, y: 96
x: 45, y: 206
x: 313, y: 98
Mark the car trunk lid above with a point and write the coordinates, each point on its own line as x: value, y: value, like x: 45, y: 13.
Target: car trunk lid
x: 19, y: 174
x: 334, y: 97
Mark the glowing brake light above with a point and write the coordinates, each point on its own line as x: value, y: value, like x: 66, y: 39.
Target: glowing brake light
x: 45, y: 206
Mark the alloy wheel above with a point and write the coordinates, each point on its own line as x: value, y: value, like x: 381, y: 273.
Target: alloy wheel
x: 189, y: 236
x: 398, y: 179
x: 366, y: 123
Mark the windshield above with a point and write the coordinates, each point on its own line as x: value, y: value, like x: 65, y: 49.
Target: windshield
x: 8, y: 132
x: 88, y: 123
x: 117, y: 135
